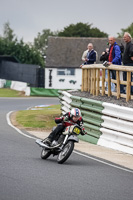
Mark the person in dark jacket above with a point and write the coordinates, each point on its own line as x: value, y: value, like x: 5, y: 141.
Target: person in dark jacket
x: 89, y: 56
x: 104, y: 56
x: 128, y: 56
x: 73, y: 117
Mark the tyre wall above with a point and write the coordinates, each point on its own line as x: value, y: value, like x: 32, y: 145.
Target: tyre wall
x: 107, y: 124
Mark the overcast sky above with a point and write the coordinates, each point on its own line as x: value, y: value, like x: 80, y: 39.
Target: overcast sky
x: 28, y: 17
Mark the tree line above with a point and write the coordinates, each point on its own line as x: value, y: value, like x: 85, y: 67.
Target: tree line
x: 35, y: 53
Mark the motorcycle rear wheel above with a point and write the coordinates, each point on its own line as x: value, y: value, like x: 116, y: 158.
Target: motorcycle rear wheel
x: 45, y: 154
x: 66, y: 152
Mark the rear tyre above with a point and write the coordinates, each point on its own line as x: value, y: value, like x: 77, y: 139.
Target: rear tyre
x: 66, y: 152
x: 45, y: 154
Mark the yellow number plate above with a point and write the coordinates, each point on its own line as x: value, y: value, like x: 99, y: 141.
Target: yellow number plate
x: 76, y: 130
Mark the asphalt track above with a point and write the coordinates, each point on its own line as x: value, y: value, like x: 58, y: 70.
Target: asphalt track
x: 23, y: 175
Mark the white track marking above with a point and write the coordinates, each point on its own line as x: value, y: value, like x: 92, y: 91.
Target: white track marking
x: 103, y: 162
x: 10, y: 124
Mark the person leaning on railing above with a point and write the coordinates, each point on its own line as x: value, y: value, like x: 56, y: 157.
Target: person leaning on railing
x: 89, y: 56
x: 104, y: 56
x: 114, y: 58
x: 128, y: 56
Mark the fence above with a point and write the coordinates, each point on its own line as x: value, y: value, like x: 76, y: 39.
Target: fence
x: 107, y: 124
x: 95, y: 84
x: 31, y: 74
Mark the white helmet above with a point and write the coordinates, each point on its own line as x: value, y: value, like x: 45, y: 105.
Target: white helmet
x: 75, y: 112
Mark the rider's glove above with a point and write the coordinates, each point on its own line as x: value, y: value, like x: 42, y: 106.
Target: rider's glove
x: 83, y: 131
x: 58, y: 120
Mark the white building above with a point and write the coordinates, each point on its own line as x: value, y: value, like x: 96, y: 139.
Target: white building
x: 63, y: 78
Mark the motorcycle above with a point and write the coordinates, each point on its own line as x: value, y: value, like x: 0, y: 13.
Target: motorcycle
x: 63, y: 146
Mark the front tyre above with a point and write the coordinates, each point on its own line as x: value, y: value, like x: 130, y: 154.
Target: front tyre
x: 66, y: 152
x: 45, y: 154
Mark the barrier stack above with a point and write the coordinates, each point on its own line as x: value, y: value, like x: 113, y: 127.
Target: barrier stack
x: 107, y: 124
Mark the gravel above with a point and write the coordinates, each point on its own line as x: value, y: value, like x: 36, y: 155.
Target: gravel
x: 112, y: 99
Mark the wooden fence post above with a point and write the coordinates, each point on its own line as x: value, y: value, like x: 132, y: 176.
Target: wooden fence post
x: 118, y: 84
x: 94, y: 82
x: 128, y: 86
x: 89, y: 80
x: 85, y: 80
x: 97, y: 81
x: 82, y: 88
x: 109, y: 84
x: 103, y: 82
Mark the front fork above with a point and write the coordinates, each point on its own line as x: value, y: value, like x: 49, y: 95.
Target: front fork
x: 71, y: 137
x: 66, y: 137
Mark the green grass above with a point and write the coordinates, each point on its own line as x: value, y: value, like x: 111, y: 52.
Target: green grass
x: 6, y: 92
x: 38, y: 119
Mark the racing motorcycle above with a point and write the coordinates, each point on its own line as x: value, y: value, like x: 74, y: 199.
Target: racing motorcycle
x: 63, y: 146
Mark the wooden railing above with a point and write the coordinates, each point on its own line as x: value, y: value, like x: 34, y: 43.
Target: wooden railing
x: 94, y: 81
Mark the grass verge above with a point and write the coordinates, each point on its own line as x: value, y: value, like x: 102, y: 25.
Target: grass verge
x: 6, y: 92
x: 38, y: 119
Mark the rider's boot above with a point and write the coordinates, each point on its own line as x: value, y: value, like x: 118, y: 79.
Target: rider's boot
x: 48, y: 141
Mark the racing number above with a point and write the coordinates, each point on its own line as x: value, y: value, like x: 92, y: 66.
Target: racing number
x: 76, y: 130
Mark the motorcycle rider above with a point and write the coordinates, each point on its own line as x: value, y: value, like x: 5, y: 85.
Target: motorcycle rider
x: 66, y: 120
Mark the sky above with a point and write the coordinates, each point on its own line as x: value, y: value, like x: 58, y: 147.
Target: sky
x: 29, y: 17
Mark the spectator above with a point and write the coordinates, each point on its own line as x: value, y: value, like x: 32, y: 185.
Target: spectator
x: 128, y: 56
x: 114, y: 58
x: 104, y: 56
x: 89, y: 56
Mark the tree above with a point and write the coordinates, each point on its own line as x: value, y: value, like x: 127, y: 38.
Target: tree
x: 8, y: 32
x: 25, y: 53
x: 81, y: 30
x: 129, y: 29
x: 40, y: 42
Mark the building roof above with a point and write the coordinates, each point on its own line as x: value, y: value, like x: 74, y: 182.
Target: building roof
x: 67, y: 51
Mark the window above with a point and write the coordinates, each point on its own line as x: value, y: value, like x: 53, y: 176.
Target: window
x: 65, y: 71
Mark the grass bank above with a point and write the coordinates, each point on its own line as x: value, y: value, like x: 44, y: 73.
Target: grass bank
x: 38, y: 119
x: 6, y: 92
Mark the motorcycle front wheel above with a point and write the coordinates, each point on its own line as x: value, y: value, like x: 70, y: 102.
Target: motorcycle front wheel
x: 45, y: 154
x: 66, y: 152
